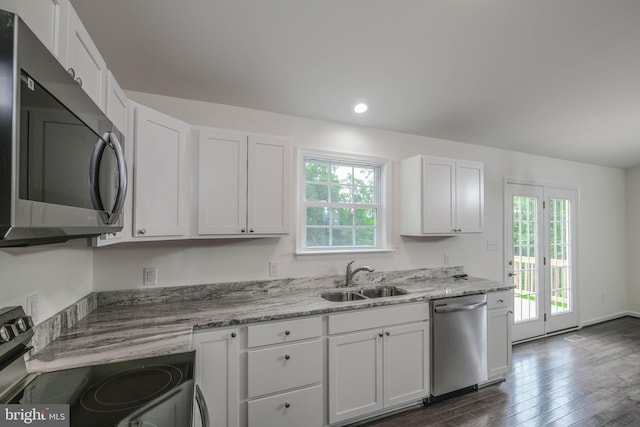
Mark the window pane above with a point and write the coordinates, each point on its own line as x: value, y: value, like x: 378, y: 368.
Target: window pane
x: 317, y: 237
x: 317, y: 216
x: 342, y: 237
x: 366, y: 217
x: 342, y: 174
x: 341, y: 194
x: 365, y: 176
x: 364, y: 195
x: 365, y: 236
x: 342, y: 216
x: 317, y: 172
x: 317, y: 193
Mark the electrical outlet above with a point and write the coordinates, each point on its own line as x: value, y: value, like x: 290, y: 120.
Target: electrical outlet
x: 446, y: 259
x: 150, y: 276
x: 32, y: 307
x: 274, y: 269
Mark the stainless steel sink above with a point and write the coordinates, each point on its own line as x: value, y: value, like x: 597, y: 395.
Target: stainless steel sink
x: 340, y: 296
x: 382, y: 291
x: 378, y: 292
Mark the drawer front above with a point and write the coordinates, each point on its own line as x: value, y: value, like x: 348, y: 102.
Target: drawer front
x: 276, y: 369
x: 295, y: 409
x: 360, y: 320
x: 502, y: 299
x: 283, y: 332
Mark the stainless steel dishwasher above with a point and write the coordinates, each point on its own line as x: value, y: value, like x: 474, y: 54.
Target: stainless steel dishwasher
x: 458, y: 344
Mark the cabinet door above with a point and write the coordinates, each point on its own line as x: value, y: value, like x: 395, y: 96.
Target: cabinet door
x: 47, y: 19
x: 85, y: 60
x: 469, y: 197
x: 406, y: 363
x: 217, y: 359
x: 355, y: 375
x: 268, y: 185
x: 161, y: 177
x: 439, y: 183
x: 499, y: 342
x: 116, y: 104
x: 222, y: 182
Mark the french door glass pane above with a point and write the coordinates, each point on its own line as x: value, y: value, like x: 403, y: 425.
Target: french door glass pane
x: 560, y: 256
x: 524, y: 261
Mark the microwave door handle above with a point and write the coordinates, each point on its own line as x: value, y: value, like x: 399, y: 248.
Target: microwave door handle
x: 202, y: 407
x: 94, y: 174
x: 122, y: 173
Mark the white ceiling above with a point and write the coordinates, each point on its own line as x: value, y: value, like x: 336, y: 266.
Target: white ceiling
x: 556, y: 78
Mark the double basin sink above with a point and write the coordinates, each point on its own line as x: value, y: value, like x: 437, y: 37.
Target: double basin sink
x: 353, y: 295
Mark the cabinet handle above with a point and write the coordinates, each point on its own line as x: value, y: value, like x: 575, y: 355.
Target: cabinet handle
x: 287, y: 357
x: 233, y: 334
x: 79, y: 81
x: 500, y: 301
x: 287, y: 332
x: 387, y: 333
x: 72, y: 73
x: 251, y: 230
x: 142, y: 231
x: 287, y: 405
x: 242, y: 230
x: 380, y: 334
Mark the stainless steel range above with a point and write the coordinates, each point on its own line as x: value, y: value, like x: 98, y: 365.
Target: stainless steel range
x: 155, y: 391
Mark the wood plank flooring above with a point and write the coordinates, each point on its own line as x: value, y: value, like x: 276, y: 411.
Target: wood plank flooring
x: 591, y: 381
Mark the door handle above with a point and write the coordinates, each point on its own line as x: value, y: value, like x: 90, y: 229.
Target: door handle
x: 202, y: 407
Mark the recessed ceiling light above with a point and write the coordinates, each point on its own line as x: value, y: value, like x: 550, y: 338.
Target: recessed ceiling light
x: 360, y: 108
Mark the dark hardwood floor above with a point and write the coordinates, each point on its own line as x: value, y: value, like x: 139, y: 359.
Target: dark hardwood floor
x: 593, y: 380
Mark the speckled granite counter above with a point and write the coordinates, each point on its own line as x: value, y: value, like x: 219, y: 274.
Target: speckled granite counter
x: 141, y: 323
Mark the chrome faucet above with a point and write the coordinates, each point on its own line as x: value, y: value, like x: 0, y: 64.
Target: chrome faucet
x: 350, y: 273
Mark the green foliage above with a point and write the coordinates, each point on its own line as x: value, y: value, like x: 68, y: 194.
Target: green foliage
x: 334, y: 192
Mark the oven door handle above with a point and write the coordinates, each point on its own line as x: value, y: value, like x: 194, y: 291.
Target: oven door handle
x: 202, y: 407
x: 111, y: 139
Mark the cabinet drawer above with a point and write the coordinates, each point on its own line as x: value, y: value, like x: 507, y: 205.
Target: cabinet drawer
x: 283, y: 332
x: 293, y: 409
x: 280, y: 368
x: 378, y: 317
x: 502, y: 299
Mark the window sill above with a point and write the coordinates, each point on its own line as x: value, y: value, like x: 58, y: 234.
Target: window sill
x: 341, y: 252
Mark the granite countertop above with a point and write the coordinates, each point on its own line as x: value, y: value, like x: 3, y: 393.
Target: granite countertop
x: 116, y: 332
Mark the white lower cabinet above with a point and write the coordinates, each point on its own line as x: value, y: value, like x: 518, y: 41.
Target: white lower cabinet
x: 284, y: 374
x: 379, y: 368
x: 217, y: 374
x: 499, y: 324
x: 293, y: 409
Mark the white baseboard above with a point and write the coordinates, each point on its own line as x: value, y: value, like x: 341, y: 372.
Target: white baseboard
x: 609, y: 317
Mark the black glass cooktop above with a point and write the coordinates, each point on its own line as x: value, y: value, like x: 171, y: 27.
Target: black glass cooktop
x: 152, y: 391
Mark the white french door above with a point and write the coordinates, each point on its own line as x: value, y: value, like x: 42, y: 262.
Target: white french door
x: 541, y: 233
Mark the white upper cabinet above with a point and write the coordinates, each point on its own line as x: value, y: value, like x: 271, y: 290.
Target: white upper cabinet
x: 48, y: 19
x: 117, y: 105
x: 243, y: 184
x: 441, y: 196
x: 268, y: 185
x: 222, y: 182
x: 161, y: 175
x: 84, y: 61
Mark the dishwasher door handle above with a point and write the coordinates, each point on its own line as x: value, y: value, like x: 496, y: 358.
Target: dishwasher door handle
x: 453, y: 308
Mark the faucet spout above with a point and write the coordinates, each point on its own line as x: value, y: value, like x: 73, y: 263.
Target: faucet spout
x: 351, y: 272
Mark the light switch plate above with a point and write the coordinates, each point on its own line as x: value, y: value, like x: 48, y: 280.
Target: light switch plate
x: 150, y: 276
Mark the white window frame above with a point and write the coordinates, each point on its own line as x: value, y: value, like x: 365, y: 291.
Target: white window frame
x: 383, y: 214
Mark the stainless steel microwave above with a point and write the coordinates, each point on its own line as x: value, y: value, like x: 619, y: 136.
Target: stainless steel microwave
x: 62, y: 169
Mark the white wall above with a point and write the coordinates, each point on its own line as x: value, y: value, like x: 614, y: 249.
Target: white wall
x: 633, y: 238
x: 602, y: 239
x: 60, y: 274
